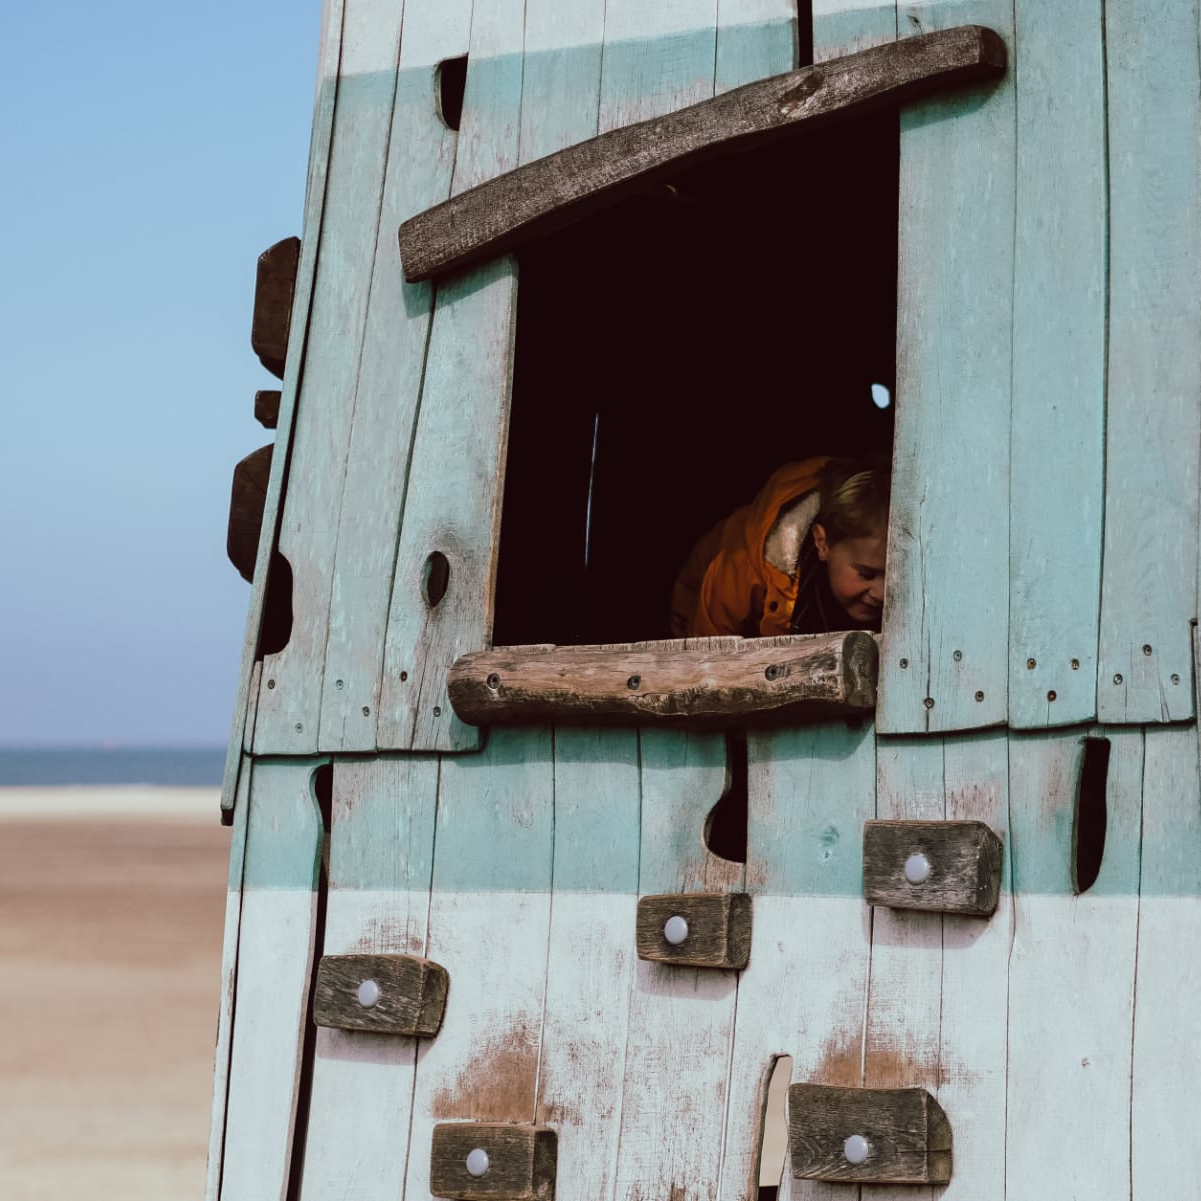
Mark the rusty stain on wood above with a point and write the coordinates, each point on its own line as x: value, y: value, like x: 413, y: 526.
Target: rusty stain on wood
x: 498, y: 1083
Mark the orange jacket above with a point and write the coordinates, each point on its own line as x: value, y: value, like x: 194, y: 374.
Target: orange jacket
x: 727, y: 586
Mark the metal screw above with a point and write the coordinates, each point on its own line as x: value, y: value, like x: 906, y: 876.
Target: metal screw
x: 366, y: 710
x: 957, y: 656
x: 437, y: 710
x: 270, y: 683
x: 634, y: 683
x: 1118, y: 678
x: 917, y: 868
x: 1051, y: 695
x: 368, y: 994
x: 774, y: 672
x: 1175, y: 678
x: 929, y: 702
x: 1075, y: 664
x: 675, y: 929
x: 979, y: 696
x: 299, y: 727
x: 904, y: 662
x: 855, y: 1149
x: 338, y: 685
x: 1146, y: 648
x: 404, y: 675
x: 1031, y: 664
x: 477, y: 1162
x: 494, y: 681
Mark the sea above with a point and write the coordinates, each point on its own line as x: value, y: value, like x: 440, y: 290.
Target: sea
x: 186, y: 767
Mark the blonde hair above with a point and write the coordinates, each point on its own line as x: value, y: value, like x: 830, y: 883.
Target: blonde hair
x: 853, y: 496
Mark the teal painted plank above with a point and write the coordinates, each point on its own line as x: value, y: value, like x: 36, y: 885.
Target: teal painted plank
x: 1149, y: 583
x: 420, y: 159
x: 1060, y: 255
x: 314, y: 207
x: 452, y: 501
x: 845, y: 26
x: 755, y: 39
x: 946, y: 627
x: 290, y: 701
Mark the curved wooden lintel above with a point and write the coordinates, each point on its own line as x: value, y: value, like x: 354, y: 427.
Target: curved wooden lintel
x: 703, y: 682
x: 554, y: 191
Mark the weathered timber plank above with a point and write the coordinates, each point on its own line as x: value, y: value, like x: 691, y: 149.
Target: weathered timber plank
x: 526, y: 203
x: 380, y: 863
x: 1071, y: 976
x: 943, y: 867
x: 868, y: 1135
x: 274, y: 291
x: 695, y: 930
x: 944, y: 664
x: 489, y: 1161
x: 266, y: 407
x: 386, y: 994
x: 807, y: 677
x: 845, y: 26
x: 248, y: 496
x: 1060, y: 258
x: 387, y: 390
x: 275, y: 949
x: 1153, y: 407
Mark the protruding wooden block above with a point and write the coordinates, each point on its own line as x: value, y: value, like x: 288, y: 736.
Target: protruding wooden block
x: 247, y: 499
x: 387, y: 994
x: 275, y: 282
x: 695, y: 929
x: 266, y: 407
x: 879, y: 1135
x: 948, y: 867
x: 493, y: 1161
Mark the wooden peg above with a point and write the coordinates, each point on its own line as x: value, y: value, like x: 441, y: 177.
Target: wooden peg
x: 247, y: 499
x: 266, y: 408
x: 387, y: 994
x: 695, y: 929
x: 493, y: 1161
x: 947, y: 867
x: 275, y: 283
x: 877, y: 1135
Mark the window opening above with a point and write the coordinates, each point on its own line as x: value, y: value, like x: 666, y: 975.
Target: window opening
x: 673, y: 351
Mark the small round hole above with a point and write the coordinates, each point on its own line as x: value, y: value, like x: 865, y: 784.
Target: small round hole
x: 436, y: 578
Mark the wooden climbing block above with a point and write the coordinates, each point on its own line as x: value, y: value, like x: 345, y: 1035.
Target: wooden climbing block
x: 386, y: 994
x: 493, y: 1161
x: 946, y: 867
x: 274, y: 285
x: 266, y: 407
x: 877, y: 1135
x: 695, y: 929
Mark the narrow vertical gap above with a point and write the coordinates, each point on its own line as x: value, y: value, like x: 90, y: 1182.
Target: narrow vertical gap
x: 550, y: 923
x: 771, y: 1160
x: 1008, y: 870
x: 804, y: 33
x: 1106, y: 277
x: 1138, y: 928
x: 1090, y: 818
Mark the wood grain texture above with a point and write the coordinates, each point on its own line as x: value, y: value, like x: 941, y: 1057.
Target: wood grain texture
x: 755, y: 39
x: 289, y: 713
x: 908, y: 1135
x: 1072, y: 971
x: 845, y: 26
x: 965, y: 861
x: 274, y: 291
x: 944, y: 664
x: 522, y: 1162
x: 719, y: 930
x: 314, y: 208
x: 456, y: 479
x: 1153, y: 410
x: 275, y: 950
x: 412, y: 994
x: 714, y: 681
x: 553, y: 191
x: 381, y: 852
x: 386, y: 394
x: 1059, y: 313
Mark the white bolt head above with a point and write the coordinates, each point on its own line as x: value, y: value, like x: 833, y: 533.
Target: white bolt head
x: 675, y: 930
x: 477, y: 1161
x: 368, y: 993
x: 917, y: 868
x: 856, y: 1149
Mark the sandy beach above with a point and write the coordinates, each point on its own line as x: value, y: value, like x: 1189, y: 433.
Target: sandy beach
x: 111, y: 909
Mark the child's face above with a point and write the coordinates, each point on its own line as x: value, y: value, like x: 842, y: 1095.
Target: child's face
x: 856, y: 568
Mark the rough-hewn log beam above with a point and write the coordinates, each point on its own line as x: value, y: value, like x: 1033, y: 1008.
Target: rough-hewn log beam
x: 554, y: 191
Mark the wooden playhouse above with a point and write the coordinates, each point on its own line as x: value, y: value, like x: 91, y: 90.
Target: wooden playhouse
x: 482, y: 938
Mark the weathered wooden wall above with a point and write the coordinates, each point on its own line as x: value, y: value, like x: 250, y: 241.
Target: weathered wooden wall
x: 1043, y: 577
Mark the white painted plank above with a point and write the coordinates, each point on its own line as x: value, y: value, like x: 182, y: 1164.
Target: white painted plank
x: 314, y: 207
x: 1071, y: 979
x: 420, y: 160
x: 381, y: 861
x: 290, y: 707
x: 456, y: 480
x: 845, y: 26
x: 275, y: 950
x: 229, y: 964
x: 803, y: 992
x: 1058, y: 364
x: 948, y: 564
x: 1167, y: 1026
x: 489, y: 925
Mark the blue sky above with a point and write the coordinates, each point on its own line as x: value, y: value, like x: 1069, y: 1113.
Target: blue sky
x: 149, y: 152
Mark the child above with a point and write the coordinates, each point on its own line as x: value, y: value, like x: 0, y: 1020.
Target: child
x: 805, y: 556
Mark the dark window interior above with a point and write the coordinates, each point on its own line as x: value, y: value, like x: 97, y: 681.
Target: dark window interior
x: 696, y: 337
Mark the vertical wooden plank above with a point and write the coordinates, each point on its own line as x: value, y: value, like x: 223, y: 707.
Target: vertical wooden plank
x: 229, y: 963
x: 947, y: 614
x: 803, y: 991
x: 380, y: 864
x: 1167, y: 1028
x: 681, y: 1020
x: 452, y: 501
x: 314, y: 207
x: 1059, y: 303
x: 420, y: 159
x: 755, y: 39
x: 1071, y: 978
x: 591, y: 954
x: 489, y: 925
x: 290, y: 703
x: 1149, y: 580
x: 845, y: 26
x: 275, y: 949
